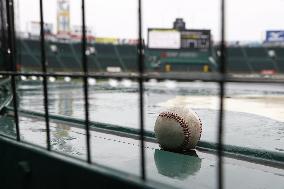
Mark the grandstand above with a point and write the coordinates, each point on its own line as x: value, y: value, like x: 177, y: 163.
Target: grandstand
x: 65, y: 56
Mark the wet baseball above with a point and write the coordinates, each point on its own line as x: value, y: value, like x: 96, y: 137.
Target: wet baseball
x: 178, y: 129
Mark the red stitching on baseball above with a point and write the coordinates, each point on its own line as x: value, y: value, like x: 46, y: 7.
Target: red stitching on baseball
x: 184, y: 125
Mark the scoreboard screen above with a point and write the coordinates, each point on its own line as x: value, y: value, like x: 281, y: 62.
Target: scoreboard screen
x: 164, y: 39
x: 195, y: 39
x: 179, y: 39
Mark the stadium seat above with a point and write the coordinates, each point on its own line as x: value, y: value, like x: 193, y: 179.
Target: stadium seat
x: 72, y: 63
x: 64, y: 48
x: 108, y: 62
x: 256, y: 52
x: 280, y: 64
x: 126, y: 50
x: 105, y: 49
x: 131, y: 63
x: 235, y: 52
x: 32, y: 45
x: 30, y: 63
x: 238, y: 65
x: 259, y: 65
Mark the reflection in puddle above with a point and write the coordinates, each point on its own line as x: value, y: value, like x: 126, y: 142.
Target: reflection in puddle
x: 176, y: 165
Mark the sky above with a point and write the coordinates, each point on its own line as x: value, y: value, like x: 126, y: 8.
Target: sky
x: 246, y: 20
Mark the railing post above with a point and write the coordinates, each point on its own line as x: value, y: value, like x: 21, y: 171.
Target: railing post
x: 141, y: 89
x: 86, y: 87
x: 44, y: 81
x: 11, y: 53
x: 220, y: 135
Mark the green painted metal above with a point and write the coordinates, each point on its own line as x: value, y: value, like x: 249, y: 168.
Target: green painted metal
x: 196, y: 169
x: 32, y: 167
x: 35, y: 167
x: 258, y: 156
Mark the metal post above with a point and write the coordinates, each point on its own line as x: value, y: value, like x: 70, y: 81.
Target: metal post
x: 85, y: 79
x: 141, y: 90
x: 11, y: 56
x: 220, y: 183
x: 44, y: 81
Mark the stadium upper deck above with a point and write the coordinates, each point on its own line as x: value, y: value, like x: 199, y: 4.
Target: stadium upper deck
x: 65, y: 56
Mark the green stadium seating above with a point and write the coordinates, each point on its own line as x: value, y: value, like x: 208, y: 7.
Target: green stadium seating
x: 264, y: 64
x: 279, y: 52
x: 53, y: 64
x: 64, y: 48
x: 108, y: 62
x: 68, y: 58
x: 235, y: 52
x: 29, y: 62
x: 255, y: 52
x: 105, y: 49
x: 33, y: 46
x: 131, y: 63
x: 127, y: 50
x: 21, y: 47
x: 93, y: 65
x: 280, y: 64
x: 71, y: 62
x: 77, y: 47
x: 238, y: 65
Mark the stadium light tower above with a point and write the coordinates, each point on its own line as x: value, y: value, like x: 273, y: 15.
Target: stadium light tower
x: 63, y: 17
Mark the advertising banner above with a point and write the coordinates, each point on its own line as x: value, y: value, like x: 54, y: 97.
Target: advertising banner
x: 275, y: 36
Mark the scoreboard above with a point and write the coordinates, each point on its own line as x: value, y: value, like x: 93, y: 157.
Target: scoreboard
x: 164, y: 39
x: 179, y: 39
x: 195, y: 39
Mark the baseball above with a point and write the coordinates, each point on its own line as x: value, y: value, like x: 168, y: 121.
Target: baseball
x: 178, y: 129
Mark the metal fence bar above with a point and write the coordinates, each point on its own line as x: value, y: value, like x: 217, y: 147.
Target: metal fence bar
x: 141, y: 90
x: 11, y: 55
x: 85, y: 80
x: 220, y: 183
x: 44, y: 81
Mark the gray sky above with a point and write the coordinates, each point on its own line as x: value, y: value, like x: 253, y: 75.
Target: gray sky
x: 247, y: 20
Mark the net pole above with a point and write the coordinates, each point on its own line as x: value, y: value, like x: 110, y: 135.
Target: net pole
x: 44, y: 81
x: 11, y: 55
x: 85, y: 84
x: 141, y: 90
x: 222, y: 70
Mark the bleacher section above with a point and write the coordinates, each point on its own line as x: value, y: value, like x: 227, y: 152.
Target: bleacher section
x: 237, y: 61
x: 67, y: 57
x: 279, y: 57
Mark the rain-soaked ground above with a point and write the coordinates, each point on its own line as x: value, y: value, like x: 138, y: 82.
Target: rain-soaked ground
x: 254, y: 115
x: 253, y: 118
